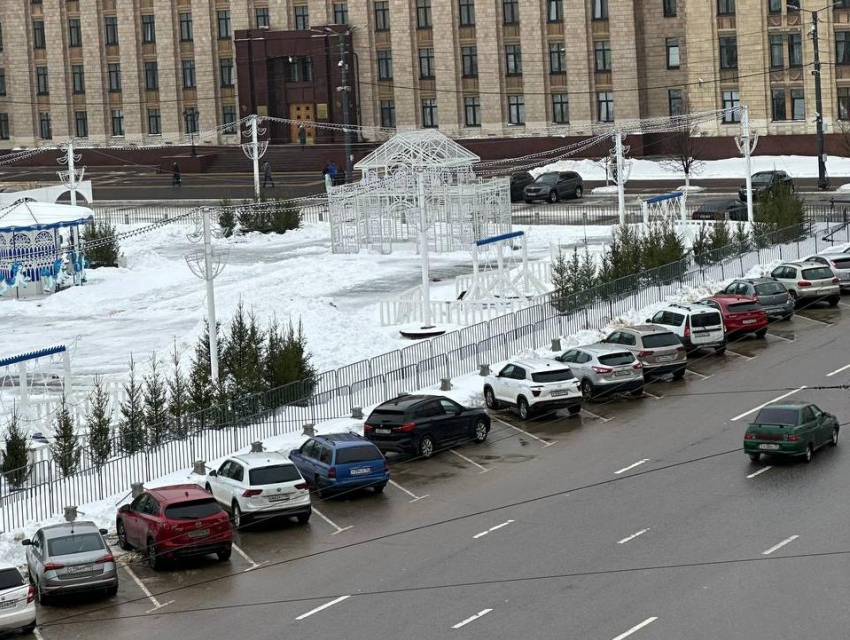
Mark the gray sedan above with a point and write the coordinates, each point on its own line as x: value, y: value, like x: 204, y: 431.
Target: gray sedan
x: 70, y: 558
x: 603, y: 370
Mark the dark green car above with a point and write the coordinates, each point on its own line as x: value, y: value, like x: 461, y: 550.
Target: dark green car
x: 790, y: 429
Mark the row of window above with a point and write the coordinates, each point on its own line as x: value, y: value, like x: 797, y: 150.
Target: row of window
x: 729, y: 50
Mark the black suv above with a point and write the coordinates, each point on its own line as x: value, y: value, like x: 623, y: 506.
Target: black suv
x: 519, y: 181
x: 731, y: 209
x: 767, y: 181
x: 421, y: 424
x: 555, y: 185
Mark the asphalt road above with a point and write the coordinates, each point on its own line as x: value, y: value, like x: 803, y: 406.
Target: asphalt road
x: 639, y: 515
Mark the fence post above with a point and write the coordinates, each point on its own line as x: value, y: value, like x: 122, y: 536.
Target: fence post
x: 50, y: 484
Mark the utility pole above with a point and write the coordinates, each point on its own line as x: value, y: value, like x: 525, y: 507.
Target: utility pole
x: 255, y: 157
x: 823, y: 183
x: 345, y: 90
x: 621, y: 181
x: 746, y: 145
x: 72, y: 176
x: 423, y: 252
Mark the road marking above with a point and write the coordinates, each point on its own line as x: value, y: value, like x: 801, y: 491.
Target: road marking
x: 631, y: 466
x: 463, y: 623
x: 546, y: 443
x: 651, y: 395
x: 776, y: 335
x: 740, y: 355
x: 636, y: 628
x: 844, y: 304
x: 322, y: 607
x: 37, y: 634
x: 460, y: 455
x: 332, y: 523
x: 699, y: 375
x: 761, y: 406
x: 146, y: 591
x: 491, y: 529
x: 759, y: 472
x: 593, y: 415
x: 821, y: 322
x: 410, y: 493
x: 779, y: 546
x: 844, y: 368
x: 253, y: 564
x: 633, y: 536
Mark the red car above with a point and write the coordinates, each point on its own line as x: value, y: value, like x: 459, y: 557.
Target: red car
x: 174, y: 522
x: 740, y: 314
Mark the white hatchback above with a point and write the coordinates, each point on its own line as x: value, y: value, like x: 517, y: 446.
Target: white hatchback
x: 17, y: 601
x: 260, y: 484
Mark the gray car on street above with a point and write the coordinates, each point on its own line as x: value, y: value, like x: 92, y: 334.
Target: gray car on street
x: 771, y: 294
x: 70, y: 558
x: 657, y: 348
x: 604, y: 369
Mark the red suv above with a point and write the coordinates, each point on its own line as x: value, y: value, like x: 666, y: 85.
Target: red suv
x: 740, y: 314
x: 171, y: 522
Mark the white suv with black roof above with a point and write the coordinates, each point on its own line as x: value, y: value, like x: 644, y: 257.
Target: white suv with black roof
x: 698, y: 326
x: 534, y: 385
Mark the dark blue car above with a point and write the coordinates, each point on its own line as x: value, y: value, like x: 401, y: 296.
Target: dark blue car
x: 341, y: 461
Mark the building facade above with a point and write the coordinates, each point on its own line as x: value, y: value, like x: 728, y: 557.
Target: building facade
x: 147, y: 69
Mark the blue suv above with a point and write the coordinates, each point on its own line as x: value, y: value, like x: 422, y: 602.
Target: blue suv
x: 341, y: 461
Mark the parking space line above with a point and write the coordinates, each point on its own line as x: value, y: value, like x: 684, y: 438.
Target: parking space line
x: 593, y: 415
x: 632, y: 537
x: 253, y: 564
x: 821, y: 322
x: 410, y: 493
x: 740, y: 355
x: 491, y: 529
x: 764, y: 404
x: 651, y: 395
x: 637, y: 628
x: 546, y: 443
x: 463, y: 623
x: 631, y: 466
x: 699, y: 375
x: 776, y: 547
x: 146, y: 591
x: 460, y: 455
x: 331, y: 522
x: 37, y: 634
x: 759, y: 472
x: 832, y: 373
x: 776, y: 335
x: 322, y: 607
x: 844, y: 304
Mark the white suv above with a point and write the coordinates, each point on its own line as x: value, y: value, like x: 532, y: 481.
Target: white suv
x: 698, y: 326
x: 17, y: 601
x: 533, y: 385
x: 264, y: 483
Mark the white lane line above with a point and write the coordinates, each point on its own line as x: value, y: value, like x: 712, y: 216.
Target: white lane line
x: 37, y: 634
x: 759, y: 472
x: 491, y: 529
x: 761, y: 406
x: 776, y: 335
x: 463, y: 623
x: 821, y: 322
x: 740, y: 355
x: 651, y: 395
x: 633, y: 536
x: 410, y: 493
x: 837, y: 371
x: 146, y: 591
x: 631, y: 466
x: 593, y: 415
x: 546, y: 443
x: 331, y: 522
x: 463, y: 457
x: 253, y: 564
x: 779, y: 546
x: 637, y: 628
x: 844, y: 304
x: 699, y: 375
x: 322, y: 607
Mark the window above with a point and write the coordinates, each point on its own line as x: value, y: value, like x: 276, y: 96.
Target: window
x: 148, y: 29
x: 774, y: 6
x: 186, y: 30
x: 228, y: 119
x: 388, y: 114
x: 844, y: 103
x: 731, y: 102
x: 669, y: 7
x: 795, y: 50
x: 600, y: 9
x: 4, y: 126
x: 278, y: 474
x: 776, y: 51
x: 117, y: 122
x: 302, y: 17
x: 194, y: 510
x: 798, y: 104
x: 111, y: 30
x: 78, y: 79
x: 423, y: 14
x: 557, y: 57
x: 190, y: 119
x: 605, y: 106
x: 1, y: 37
x: 510, y: 10
x: 114, y: 75
x: 672, y: 53
x: 44, y: 130
x: 729, y: 53
x: 41, y: 82
x: 340, y: 13
x: 81, y: 124
x: 385, y: 64
x: 382, y: 15
x: 151, y: 75
x: 2, y: 82
x: 513, y: 59
x: 467, y: 12
x: 75, y: 34
x: 675, y: 102
x: 225, y: 68
x: 429, y: 113
x: 793, y: 6
x: 602, y: 55
x: 224, y: 23
x: 154, y: 122
x: 725, y: 7
x: 306, y: 63
x: 777, y: 102
x: 426, y: 63
x: 560, y: 108
x: 554, y: 10
x: 469, y: 61
x: 189, y: 74
x: 842, y: 47
x: 472, y: 111
x: 38, y: 41
x: 262, y: 15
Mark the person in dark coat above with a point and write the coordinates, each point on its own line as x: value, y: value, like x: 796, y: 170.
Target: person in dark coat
x: 302, y: 136
x: 176, y: 181
x: 267, y: 174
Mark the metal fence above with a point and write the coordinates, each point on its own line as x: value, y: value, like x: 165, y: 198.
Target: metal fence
x: 309, y: 211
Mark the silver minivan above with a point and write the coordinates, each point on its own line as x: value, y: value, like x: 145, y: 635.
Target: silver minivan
x: 809, y: 281
x: 604, y: 370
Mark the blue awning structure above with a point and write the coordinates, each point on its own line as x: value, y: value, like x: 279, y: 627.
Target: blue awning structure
x: 36, y: 216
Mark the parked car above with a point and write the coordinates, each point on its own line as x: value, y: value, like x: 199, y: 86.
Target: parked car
x: 533, y: 385
x: 17, y: 601
x: 766, y: 181
x: 603, y: 370
x: 268, y: 484
x: 71, y: 557
x: 657, y: 348
x: 772, y: 295
x: 422, y: 424
x: 340, y: 461
x: 173, y: 522
x: 809, y: 281
x: 741, y: 315
x: 697, y: 326
x: 838, y: 262
x: 790, y: 429
x: 730, y: 209
x: 553, y: 186
x: 519, y: 181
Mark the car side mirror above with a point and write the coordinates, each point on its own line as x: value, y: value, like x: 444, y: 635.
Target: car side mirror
x: 213, y: 474
x: 124, y: 508
x: 103, y: 532
x: 26, y: 542
x: 293, y: 452
x: 649, y: 320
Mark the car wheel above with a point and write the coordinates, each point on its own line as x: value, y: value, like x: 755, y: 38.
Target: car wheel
x: 574, y: 409
x: 524, y: 409
x: 154, y: 560
x: 321, y: 493
x: 527, y: 201
x: 755, y: 456
x: 788, y: 317
x: 834, y: 440
x: 111, y: 592
x: 43, y: 598
x: 208, y: 488
x: 379, y: 488
x: 239, y: 520
x: 579, y: 192
x: 426, y: 446
x: 678, y: 375
x: 833, y: 301
x: 637, y: 393
x: 587, y: 390
x: 122, y: 536
x: 224, y: 556
x: 304, y: 518
x: 479, y: 431
x: 794, y: 297
x: 490, y: 399
x: 29, y: 629
x: 807, y: 456
x: 553, y: 196
x: 719, y: 351
x: 761, y: 333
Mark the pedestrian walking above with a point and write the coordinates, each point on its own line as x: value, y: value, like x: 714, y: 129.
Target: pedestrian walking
x: 332, y: 172
x: 175, y: 176
x: 267, y: 174
x: 302, y: 136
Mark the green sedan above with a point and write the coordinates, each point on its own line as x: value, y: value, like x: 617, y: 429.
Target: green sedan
x: 790, y: 429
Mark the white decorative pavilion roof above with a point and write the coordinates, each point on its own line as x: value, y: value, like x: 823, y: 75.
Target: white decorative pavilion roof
x: 30, y: 216
x: 419, y: 149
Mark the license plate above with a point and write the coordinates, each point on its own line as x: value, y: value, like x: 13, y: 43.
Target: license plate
x: 199, y: 533
x: 749, y: 321
x: 665, y: 358
x: 278, y: 497
x: 360, y: 472
x: 622, y: 374
x: 11, y: 604
x: 383, y: 432
x: 769, y: 447
x: 560, y: 392
x: 81, y: 568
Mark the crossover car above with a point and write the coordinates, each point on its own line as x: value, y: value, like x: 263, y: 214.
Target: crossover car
x: 772, y: 295
x: 341, y: 461
x: 766, y: 182
x: 422, y: 424
x: 809, y: 281
x: 533, y: 385
x: 603, y: 370
x: 838, y: 262
x: 17, y: 601
x: 741, y: 315
x: 730, y: 209
x: 698, y: 326
x: 790, y: 429
x: 519, y: 181
x: 554, y: 186
x: 657, y: 348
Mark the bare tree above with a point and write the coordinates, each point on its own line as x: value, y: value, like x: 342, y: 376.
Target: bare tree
x: 686, y: 149
x: 843, y: 130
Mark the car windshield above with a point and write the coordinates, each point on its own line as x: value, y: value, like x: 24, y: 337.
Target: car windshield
x: 558, y: 375
x: 841, y: 263
x: 616, y: 359
x: 744, y: 307
x: 10, y: 578
x: 818, y: 273
x: 274, y: 475
x: 761, y: 178
x: 547, y: 178
x: 348, y: 455
x: 780, y: 417
x: 192, y: 510
x: 770, y: 289
x: 712, y: 207
x: 660, y: 340
x: 702, y: 320
x: 76, y: 543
